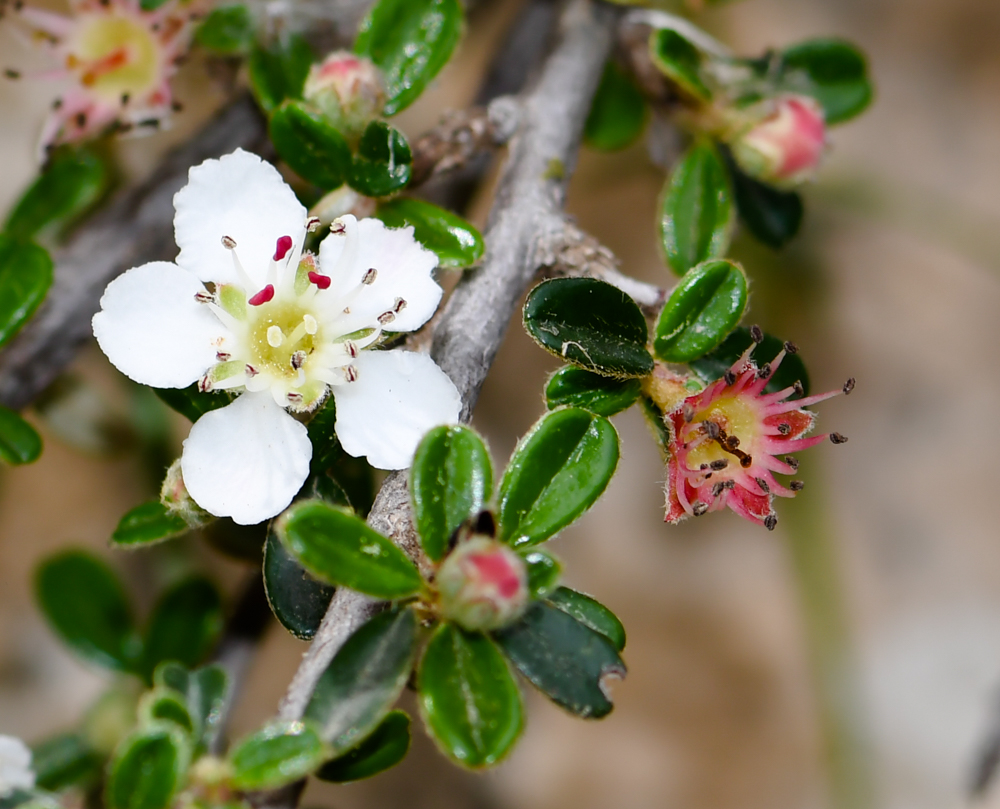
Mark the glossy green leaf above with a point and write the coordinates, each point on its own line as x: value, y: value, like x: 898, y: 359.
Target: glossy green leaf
x: 70, y: 183
x: 25, y: 278
x: 833, y: 72
x: 297, y: 600
x: 771, y: 215
x: 192, y: 403
x: 557, y: 472
x: 591, y: 324
x: 680, y: 60
x: 310, y: 144
x: 450, y: 480
x: 456, y: 242
x: 696, y: 213
x: 20, y: 443
x: 205, y: 691
x: 278, y: 71
x: 166, y: 705
x: 383, y: 161
x: 410, y: 41
x: 84, y: 602
x: 337, y: 547
x: 603, y: 395
x: 276, y: 755
x: 227, y: 31
x: 384, y: 748
x: 544, y: 571
x: 702, y: 310
x: 468, y: 698
x: 147, y: 769
x: 792, y: 369
x: 64, y: 761
x: 567, y: 661
x: 185, y: 624
x: 589, y: 612
x: 364, y: 679
x: 617, y: 113
x: 147, y: 523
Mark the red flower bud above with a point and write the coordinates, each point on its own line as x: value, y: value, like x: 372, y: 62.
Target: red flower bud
x: 347, y: 89
x: 785, y: 146
x: 483, y: 585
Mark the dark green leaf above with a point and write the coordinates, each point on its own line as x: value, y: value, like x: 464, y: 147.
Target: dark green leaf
x: 696, y: 211
x: 322, y: 435
x: 410, y: 41
x: 19, y: 442
x: 151, y: 5
x: 681, y: 62
x: 147, y: 769
x: 771, y: 215
x: 543, y: 572
x: 382, y: 163
x: 339, y: 548
x: 364, y: 679
x: 589, y: 612
x: 603, y: 395
x: 243, y: 542
x: 276, y: 755
x: 384, y: 748
x: 227, y: 31
x: 567, y: 661
x: 456, y: 242
x: 185, y: 624
x: 64, y: 761
x: 166, y: 705
x: 833, y: 72
x: 146, y: 524
x: 468, y: 699
x: 25, y: 278
x: 450, y: 480
x: 297, y: 600
x: 278, y: 71
x: 310, y: 144
x: 618, y: 112
x: 204, y: 690
x: 192, y: 403
x: 85, y: 604
x: 713, y: 366
x: 590, y: 324
x: 703, y: 308
x: 557, y: 472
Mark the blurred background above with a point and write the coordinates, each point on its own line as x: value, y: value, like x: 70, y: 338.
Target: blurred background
x: 852, y: 657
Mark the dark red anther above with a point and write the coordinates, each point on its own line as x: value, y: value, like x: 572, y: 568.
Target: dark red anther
x: 263, y: 296
x: 321, y: 281
x: 282, y: 247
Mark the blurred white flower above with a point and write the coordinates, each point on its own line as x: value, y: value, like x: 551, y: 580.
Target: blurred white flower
x: 15, y: 766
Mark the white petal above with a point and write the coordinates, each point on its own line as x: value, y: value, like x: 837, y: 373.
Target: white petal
x: 243, y: 197
x: 152, y: 328
x: 398, y: 396
x: 15, y: 765
x: 403, y: 268
x: 246, y: 460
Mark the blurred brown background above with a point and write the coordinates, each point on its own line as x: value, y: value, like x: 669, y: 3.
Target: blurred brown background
x: 854, y: 652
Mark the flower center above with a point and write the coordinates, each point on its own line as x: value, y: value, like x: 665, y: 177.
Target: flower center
x: 278, y: 332
x: 733, y: 419
x: 115, y: 56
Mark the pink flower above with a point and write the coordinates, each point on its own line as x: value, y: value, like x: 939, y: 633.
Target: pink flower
x: 728, y: 440
x: 785, y: 147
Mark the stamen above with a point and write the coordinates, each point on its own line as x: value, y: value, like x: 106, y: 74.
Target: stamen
x: 205, y: 384
x: 792, y: 461
x: 369, y: 277
x: 321, y: 281
x: 796, y: 485
x: 275, y: 336
x: 313, y: 223
x: 351, y: 348
x: 337, y: 227
x: 262, y: 297
x: 251, y: 371
x: 763, y: 484
x: 281, y: 248
x: 848, y: 386
x: 350, y: 373
x: 799, y: 390
x: 764, y: 371
x: 294, y: 398
x: 720, y: 464
x: 310, y: 323
x: 204, y: 297
x: 399, y: 306
x: 770, y: 521
x: 791, y: 348
x: 784, y: 428
x: 838, y: 438
x: 299, y: 359
x: 688, y: 413
x: 711, y: 429
x: 386, y: 318
x: 730, y: 377
x: 222, y: 356
x: 756, y: 334
x: 699, y: 508
x: 229, y: 242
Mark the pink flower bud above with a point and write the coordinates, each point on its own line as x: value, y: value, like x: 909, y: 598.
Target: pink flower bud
x: 174, y: 495
x: 784, y: 147
x: 483, y: 585
x: 347, y: 89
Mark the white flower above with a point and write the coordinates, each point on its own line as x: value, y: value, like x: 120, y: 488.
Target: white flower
x: 282, y: 329
x: 15, y: 766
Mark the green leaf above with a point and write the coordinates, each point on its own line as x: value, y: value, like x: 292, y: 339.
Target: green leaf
x: 771, y: 215
x: 589, y: 612
x: 151, y: 5
x: 310, y: 144
x: 450, y: 480
x: 382, y: 163
x: 603, y: 395
x: 191, y: 402
x: 704, y: 307
x: 297, y: 600
x: 339, y: 548
x: 276, y: 755
x: 227, y: 31
x: 384, y: 748
x: 278, y: 71
x: 792, y: 369
x: 557, y: 472
x: 323, y: 437
x: 147, y: 523
x: 185, y: 624
x: 566, y: 660
x: 25, y: 278
x: 833, y: 72
x: 544, y: 571
x: 681, y: 61
x: 242, y: 542
x: 591, y: 324
x: 364, y: 679
x: 617, y: 113
x: 456, y: 242
x: 205, y: 691
x: 19, y: 442
x: 166, y: 705
x: 64, y: 761
x: 147, y: 770
x: 696, y: 213
x: 468, y: 698
x: 84, y: 602
x: 71, y: 182
x: 409, y: 41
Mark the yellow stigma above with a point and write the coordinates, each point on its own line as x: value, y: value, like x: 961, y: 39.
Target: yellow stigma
x: 278, y: 330
x: 115, y: 56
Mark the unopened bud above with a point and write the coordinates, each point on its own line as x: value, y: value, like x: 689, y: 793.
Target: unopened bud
x: 483, y: 585
x: 174, y: 495
x: 784, y: 146
x: 348, y: 91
